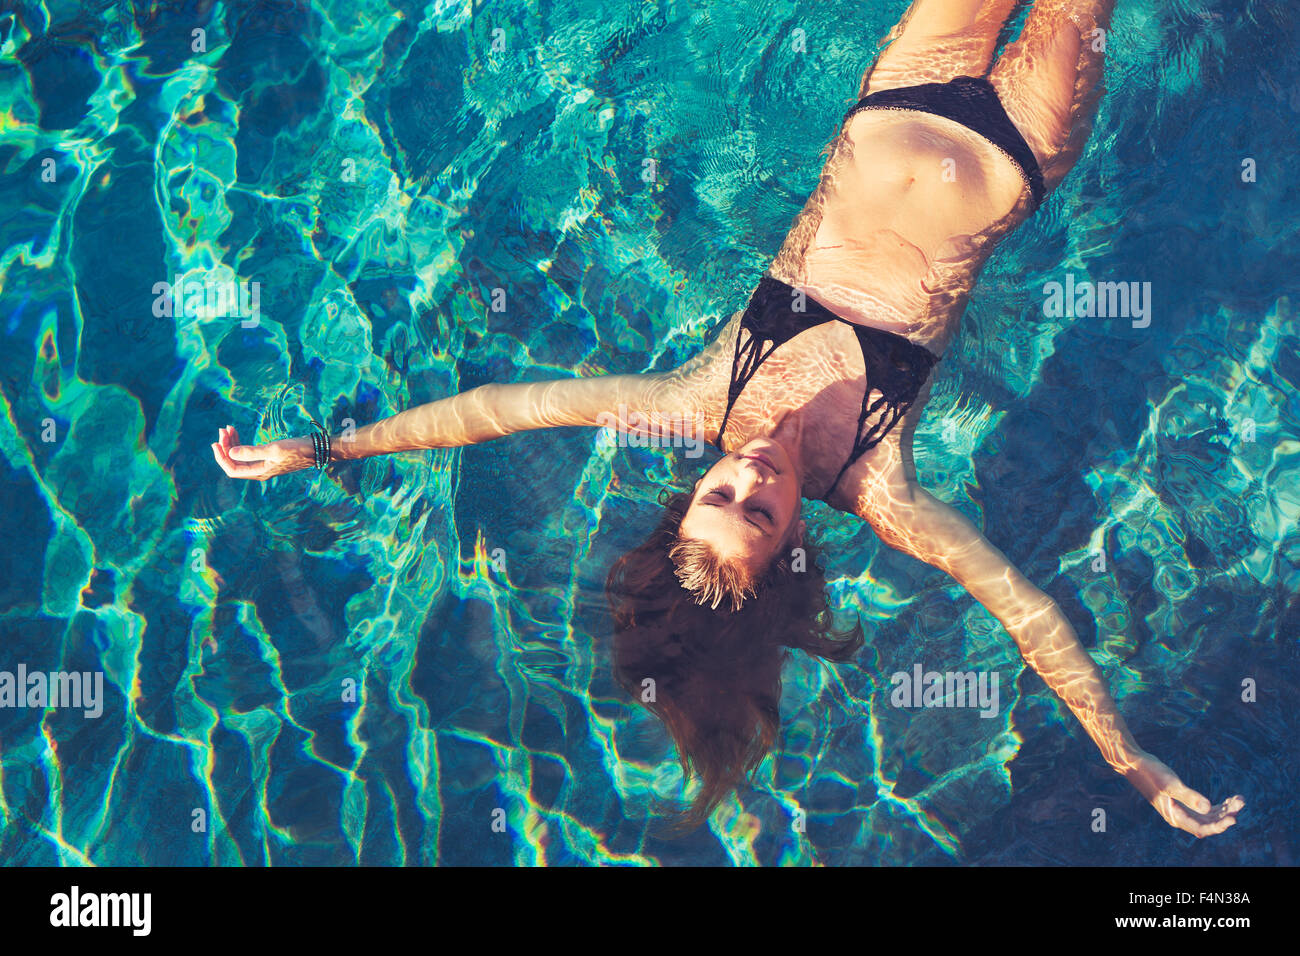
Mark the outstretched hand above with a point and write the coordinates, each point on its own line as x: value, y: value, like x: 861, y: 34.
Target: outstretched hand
x: 260, y: 462
x: 1179, y: 804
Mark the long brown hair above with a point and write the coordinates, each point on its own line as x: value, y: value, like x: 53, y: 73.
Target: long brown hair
x: 713, y: 677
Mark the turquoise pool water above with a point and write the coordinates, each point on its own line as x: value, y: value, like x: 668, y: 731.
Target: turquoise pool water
x: 376, y: 669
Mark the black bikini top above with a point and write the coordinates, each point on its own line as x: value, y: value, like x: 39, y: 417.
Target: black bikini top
x: 895, y: 367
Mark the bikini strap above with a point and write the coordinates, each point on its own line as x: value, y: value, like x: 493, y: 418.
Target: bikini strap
x: 770, y: 321
x: 867, y: 440
x: 896, y: 368
x: 753, y: 356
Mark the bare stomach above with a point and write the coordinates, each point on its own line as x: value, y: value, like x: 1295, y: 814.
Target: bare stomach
x: 876, y: 279
x: 908, y: 208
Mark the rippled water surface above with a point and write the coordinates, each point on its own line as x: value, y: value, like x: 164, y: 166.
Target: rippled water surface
x: 363, y: 670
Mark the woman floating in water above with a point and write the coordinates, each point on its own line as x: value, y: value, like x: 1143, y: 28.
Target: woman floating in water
x: 814, y: 391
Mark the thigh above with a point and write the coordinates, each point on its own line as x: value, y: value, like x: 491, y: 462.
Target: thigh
x: 1049, y: 79
x: 937, y: 40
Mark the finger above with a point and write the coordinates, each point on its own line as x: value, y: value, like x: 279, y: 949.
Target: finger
x: 223, y: 459
x: 1189, y: 797
x: 1200, y: 826
x: 1216, y: 826
x: 237, y: 469
x: 1228, y: 808
x: 1183, y: 820
x: 246, y: 452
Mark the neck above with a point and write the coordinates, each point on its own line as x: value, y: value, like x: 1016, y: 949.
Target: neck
x: 789, y: 433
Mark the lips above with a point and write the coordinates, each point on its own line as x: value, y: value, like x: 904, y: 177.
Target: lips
x: 755, y: 456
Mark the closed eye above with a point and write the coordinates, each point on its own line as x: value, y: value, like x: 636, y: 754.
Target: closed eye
x: 722, y: 494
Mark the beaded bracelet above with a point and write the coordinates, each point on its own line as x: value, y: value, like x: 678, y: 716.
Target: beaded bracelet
x: 320, y: 440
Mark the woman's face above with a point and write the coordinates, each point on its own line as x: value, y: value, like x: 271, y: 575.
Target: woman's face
x: 747, y: 505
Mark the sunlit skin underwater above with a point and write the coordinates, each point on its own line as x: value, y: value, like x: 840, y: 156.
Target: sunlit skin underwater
x: 466, y: 244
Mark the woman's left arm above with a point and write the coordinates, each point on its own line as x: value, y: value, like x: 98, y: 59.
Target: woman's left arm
x: 912, y: 520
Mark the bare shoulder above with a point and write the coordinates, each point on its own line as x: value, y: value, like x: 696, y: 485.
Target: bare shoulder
x: 875, y: 488
x: 698, y: 387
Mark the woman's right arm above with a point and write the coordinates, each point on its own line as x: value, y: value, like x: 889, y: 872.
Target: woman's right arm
x: 478, y: 415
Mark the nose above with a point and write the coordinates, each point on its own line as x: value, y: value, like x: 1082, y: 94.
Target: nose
x: 749, y: 477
